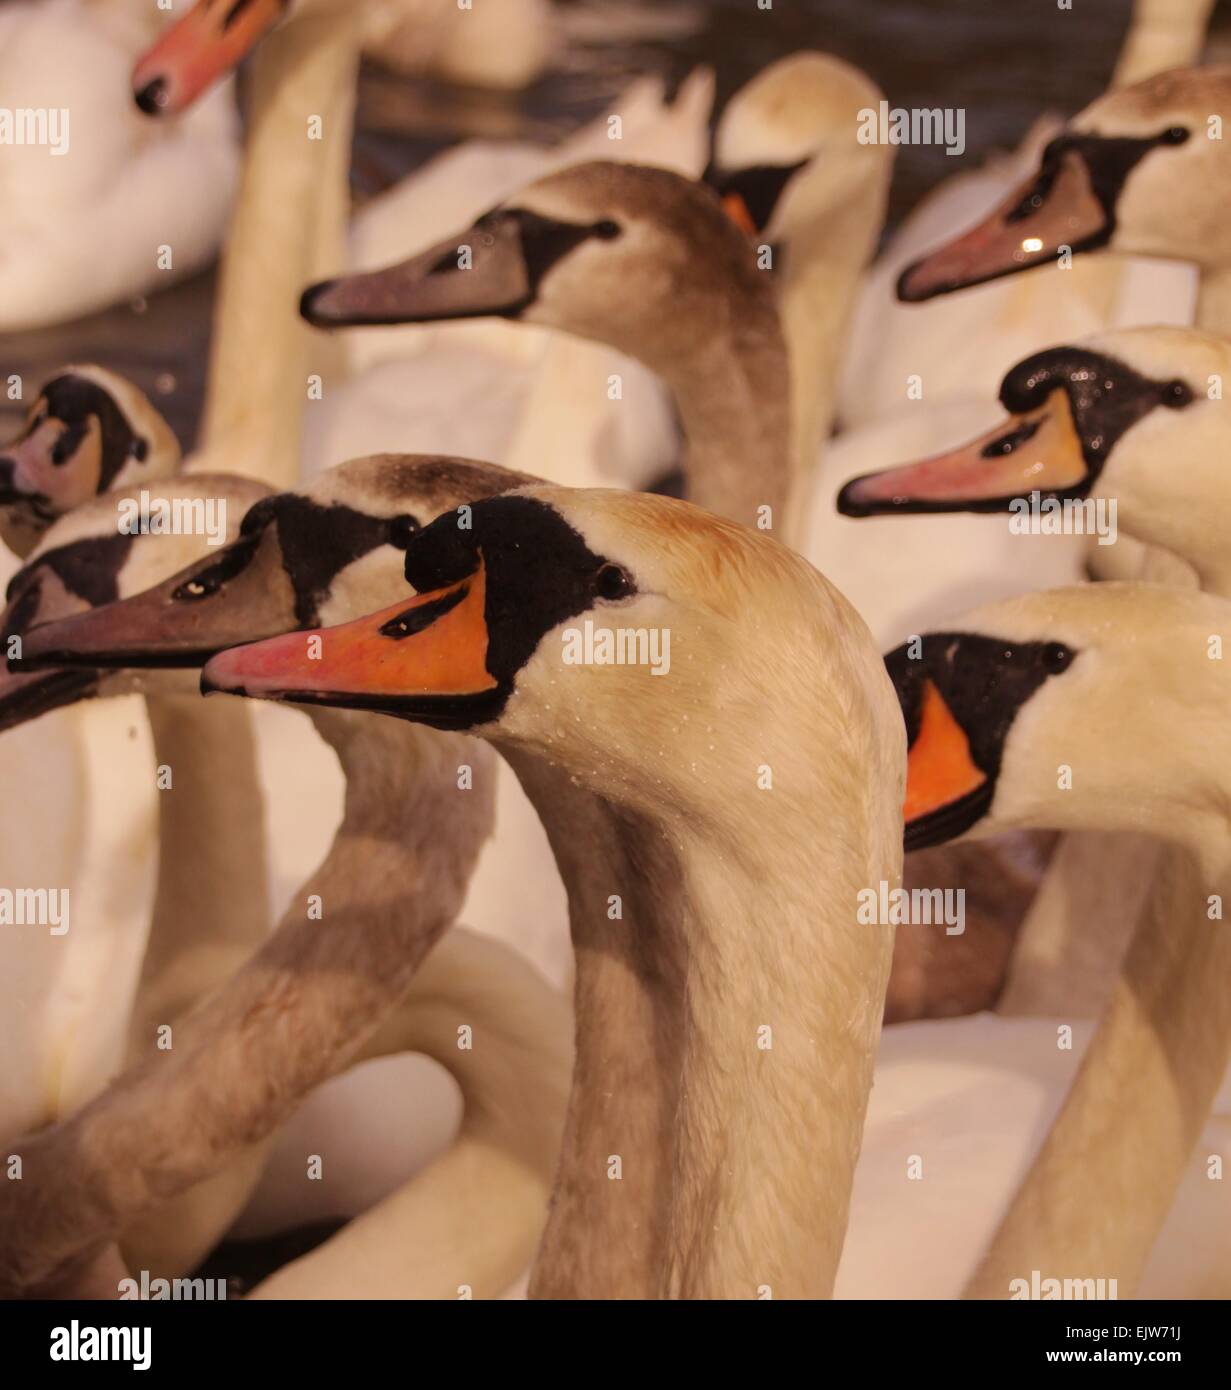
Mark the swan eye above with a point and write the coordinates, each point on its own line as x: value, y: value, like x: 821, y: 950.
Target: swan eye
x: 401, y: 530
x: 1056, y: 658
x: 607, y: 230
x: 1176, y: 394
x: 612, y: 583
x: 1175, y: 136
x: 139, y: 448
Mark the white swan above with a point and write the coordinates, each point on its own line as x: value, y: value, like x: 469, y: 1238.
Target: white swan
x: 994, y: 705
x: 121, y: 208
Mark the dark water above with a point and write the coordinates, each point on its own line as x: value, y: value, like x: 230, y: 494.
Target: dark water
x: 1003, y: 61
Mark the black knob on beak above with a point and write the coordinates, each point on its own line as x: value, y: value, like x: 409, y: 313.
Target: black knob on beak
x: 153, y: 96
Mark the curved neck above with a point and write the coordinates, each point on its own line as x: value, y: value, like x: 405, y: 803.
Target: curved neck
x: 734, y: 405
x: 730, y: 380
x: 725, y: 1040
x: 296, y: 1012
x: 606, y: 1233
x: 1192, y: 534
x: 827, y: 249
x: 1138, y: 1104
x: 514, y: 1079
x: 287, y: 230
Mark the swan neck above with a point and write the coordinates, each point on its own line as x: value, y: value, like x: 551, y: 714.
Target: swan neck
x: 733, y: 395
x: 288, y: 228
x: 827, y: 247
x: 731, y: 1007
x: 1214, y: 300
x: 211, y: 832
x: 1152, y: 1071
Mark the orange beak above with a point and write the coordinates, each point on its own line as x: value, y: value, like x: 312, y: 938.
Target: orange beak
x: 736, y: 209
x: 423, y: 659
x: 1038, y: 451
x: 939, y: 766
x: 198, y: 50
x: 1058, y: 207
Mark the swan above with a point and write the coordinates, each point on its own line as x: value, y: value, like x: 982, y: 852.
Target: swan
x: 1141, y: 171
x: 1094, y: 418
x: 87, y: 431
x: 563, y: 253
x: 998, y: 708
x: 529, y: 399
x: 112, y: 181
x: 671, y: 1091
x: 329, y: 552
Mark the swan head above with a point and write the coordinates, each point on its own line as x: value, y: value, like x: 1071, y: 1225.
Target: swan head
x: 623, y: 254
x: 634, y: 641
x: 199, y: 49
x: 787, y: 132
x: 1136, y: 415
x: 1143, y: 170
x: 323, y: 554
x: 93, y: 557
x: 89, y: 431
x: 1096, y: 707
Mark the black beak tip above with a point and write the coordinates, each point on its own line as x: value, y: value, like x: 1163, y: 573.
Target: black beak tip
x: 848, y: 503
x: 310, y: 304
x: 153, y: 97
x: 906, y: 293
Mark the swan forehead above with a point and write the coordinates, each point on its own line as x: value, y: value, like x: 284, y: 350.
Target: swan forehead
x: 1179, y: 97
x: 1165, y: 352
x: 423, y: 485
x: 1143, y: 622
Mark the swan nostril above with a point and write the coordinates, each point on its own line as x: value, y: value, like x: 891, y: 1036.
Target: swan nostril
x: 153, y: 97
